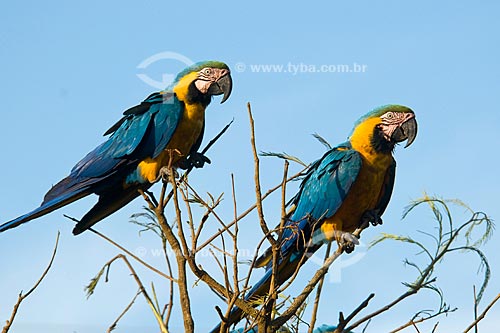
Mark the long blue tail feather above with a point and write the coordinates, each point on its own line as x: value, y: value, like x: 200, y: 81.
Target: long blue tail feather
x: 46, y: 208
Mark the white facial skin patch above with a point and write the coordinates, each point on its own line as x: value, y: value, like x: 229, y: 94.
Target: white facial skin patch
x: 207, y: 76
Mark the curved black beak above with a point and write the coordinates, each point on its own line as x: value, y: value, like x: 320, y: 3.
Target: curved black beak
x: 223, y: 85
x: 407, y: 131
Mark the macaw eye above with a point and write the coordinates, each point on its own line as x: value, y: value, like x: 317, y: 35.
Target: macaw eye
x: 390, y: 115
x: 207, y: 71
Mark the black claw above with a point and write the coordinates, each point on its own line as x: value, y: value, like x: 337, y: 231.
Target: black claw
x: 348, y: 247
x: 198, y: 160
x: 195, y: 160
x: 370, y: 216
x: 377, y: 221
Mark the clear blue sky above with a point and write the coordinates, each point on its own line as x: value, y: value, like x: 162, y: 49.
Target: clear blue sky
x: 69, y: 69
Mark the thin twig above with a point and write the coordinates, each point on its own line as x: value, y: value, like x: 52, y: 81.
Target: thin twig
x: 302, y: 260
x: 283, y: 198
x: 207, y: 147
x: 170, y: 305
x: 245, y: 213
x: 415, y: 325
x: 22, y: 296
x: 236, y: 285
x: 383, y: 309
x: 157, y: 271
x: 312, y: 324
x: 113, y: 326
x: 425, y: 278
x: 190, y: 221
x: 483, y: 314
x: 421, y: 282
x: 258, y: 194
x: 153, y: 290
x: 198, y: 271
x: 141, y: 288
x: 417, y: 321
x: 343, y: 322
x: 210, y: 208
x: 224, y: 258
x: 275, y: 247
x: 252, y: 264
x: 292, y: 309
x: 181, y: 257
x: 475, y: 306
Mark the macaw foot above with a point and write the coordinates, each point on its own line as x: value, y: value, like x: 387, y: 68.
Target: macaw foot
x: 348, y: 241
x: 370, y: 216
x: 164, y: 174
x: 196, y: 160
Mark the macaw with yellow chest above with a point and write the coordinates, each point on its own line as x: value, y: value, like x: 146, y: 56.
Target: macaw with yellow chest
x: 346, y: 189
x: 162, y: 132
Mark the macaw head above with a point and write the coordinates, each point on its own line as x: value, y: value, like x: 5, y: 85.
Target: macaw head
x: 199, y: 82
x: 386, y: 126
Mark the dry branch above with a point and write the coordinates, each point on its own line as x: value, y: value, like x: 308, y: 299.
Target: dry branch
x: 90, y: 288
x: 258, y: 193
x: 22, y: 296
x: 115, y: 323
x: 483, y: 314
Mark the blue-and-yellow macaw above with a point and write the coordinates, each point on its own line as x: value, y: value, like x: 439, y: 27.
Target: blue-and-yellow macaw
x: 347, y: 188
x: 164, y: 131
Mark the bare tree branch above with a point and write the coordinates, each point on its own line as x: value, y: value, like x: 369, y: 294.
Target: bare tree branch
x: 157, y: 271
x: 483, y: 314
x: 245, y: 213
x: 236, y: 285
x: 420, y: 320
x: 181, y: 250
x: 156, y: 312
x: 113, y: 326
x: 258, y: 193
x: 415, y: 325
x: 204, y: 151
x: 22, y: 296
x: 318, y: 293
x: 475, y: 306
x: 292, y: 309
x: 190, y: 258
x: 343, y: 322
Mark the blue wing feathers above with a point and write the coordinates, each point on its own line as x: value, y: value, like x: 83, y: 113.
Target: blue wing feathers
x: 144, y: 131
x: 165, y: 123
x: 153, y: 127
x: 139, y: 136
x: 321, y: 193
x: 128, y: 137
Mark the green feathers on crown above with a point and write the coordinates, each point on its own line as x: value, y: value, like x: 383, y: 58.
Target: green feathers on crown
x: 377, y: 112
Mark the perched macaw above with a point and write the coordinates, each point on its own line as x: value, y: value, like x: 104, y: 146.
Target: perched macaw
x: 347, y: 188
x: 164, y: 131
